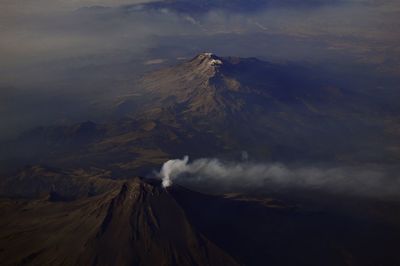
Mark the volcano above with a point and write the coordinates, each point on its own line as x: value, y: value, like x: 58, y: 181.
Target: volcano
x: 200, y: 106
x: 209, y: 85
x: 136, y: 223
x: 290, y: 112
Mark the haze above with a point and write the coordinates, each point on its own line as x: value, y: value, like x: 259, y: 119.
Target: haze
x: 61, y: 59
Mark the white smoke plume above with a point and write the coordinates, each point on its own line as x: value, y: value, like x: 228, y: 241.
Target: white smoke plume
x: 173, y: 168
x: 361, y: 180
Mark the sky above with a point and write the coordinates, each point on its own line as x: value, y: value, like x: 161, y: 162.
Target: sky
x: 64, y: 55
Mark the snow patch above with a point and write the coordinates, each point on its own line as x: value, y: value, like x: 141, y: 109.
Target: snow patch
x: 215, y: 62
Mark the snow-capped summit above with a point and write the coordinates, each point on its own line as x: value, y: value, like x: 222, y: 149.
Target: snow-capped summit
x: 207, y: 59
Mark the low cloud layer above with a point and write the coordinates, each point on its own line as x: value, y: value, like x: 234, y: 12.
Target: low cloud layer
x: 241, y: 176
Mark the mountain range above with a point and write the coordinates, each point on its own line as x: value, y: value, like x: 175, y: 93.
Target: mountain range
x: 86, y: 193
x: 198, y: 7
x: 199, y: 107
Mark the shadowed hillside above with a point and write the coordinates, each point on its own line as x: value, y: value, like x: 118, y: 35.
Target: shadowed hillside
x: 134, y: 224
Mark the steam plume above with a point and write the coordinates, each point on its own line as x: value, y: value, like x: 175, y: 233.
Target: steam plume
x: 363, y: 180
x: 173, y: 167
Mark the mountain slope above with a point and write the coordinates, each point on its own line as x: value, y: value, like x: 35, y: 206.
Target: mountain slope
x: 38, y: 181
x: 320, y: 230
x: 135, y: 224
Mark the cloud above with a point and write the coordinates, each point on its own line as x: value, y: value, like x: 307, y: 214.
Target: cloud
x: 154, y: 61
x: 34, y: 32
x: 54, y: 47
x: 371, y: 181
x: 39, y: 31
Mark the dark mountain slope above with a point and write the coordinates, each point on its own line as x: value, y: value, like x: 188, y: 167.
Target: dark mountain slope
x: 259, y: 230
x: 38, y: 181
x: 135, y: 224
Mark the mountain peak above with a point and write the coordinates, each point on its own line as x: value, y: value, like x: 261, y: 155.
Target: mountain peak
x: 209, y: 59
x: 207, y: 55
x: 226, y: 86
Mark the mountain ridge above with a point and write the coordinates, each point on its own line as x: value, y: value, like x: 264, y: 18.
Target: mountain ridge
x: 200, y: 7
